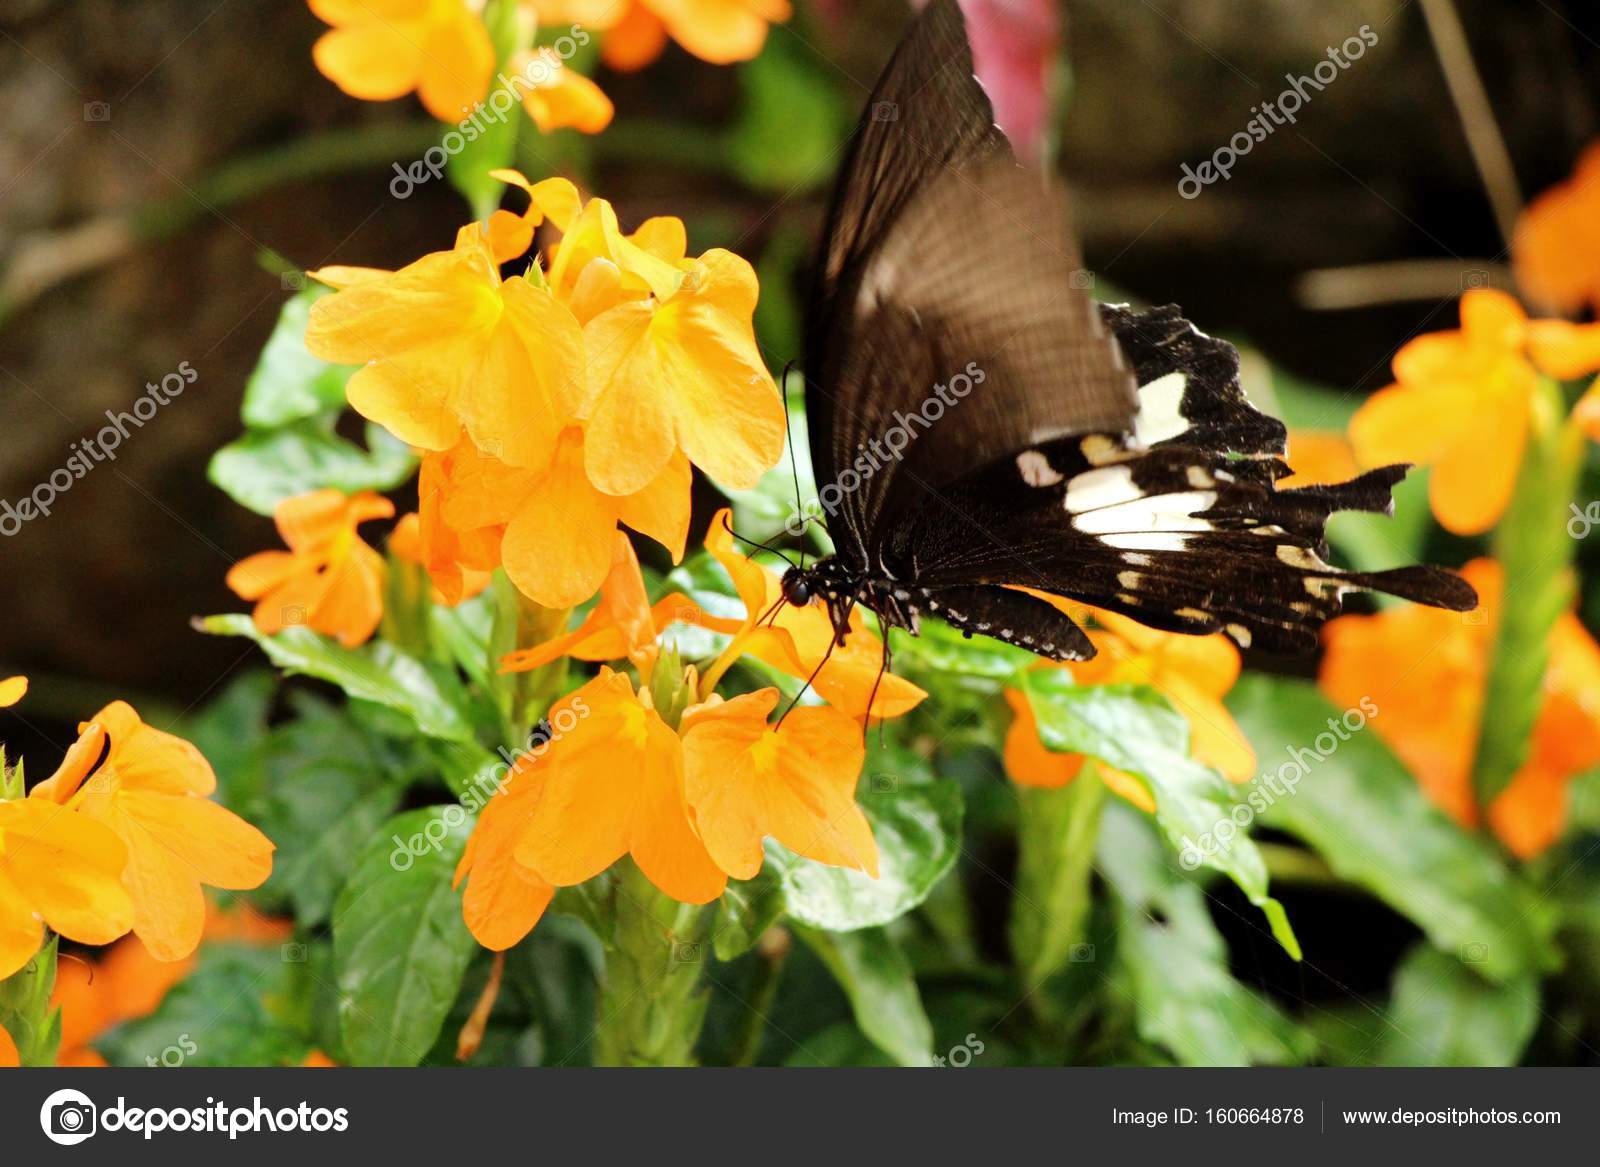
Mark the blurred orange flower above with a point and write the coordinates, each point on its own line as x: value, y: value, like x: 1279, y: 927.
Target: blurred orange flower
x: 328, y: 580
x: 1193, y: 672
x: 1427, y: 670
x: 558, y: 96
x: 1318, y: 458
x: 1461, y: 404
x: 152, y: 789
x: 61, y: 871
x: 1556, y: 248
x: 8, y: 1050
x: 446, y: 344
x: 127, y: 982
x: 12, y: 690
x: 719, y: 31
x: 381, y: 49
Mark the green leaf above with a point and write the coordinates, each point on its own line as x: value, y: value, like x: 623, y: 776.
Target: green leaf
x: 747, y: 909
x: 25, y: 1011
x: 877, y: 978
x: 231, y: 732
x: 238, y: 1008
x: 1177, y: 964
x: 400, y: 945
x: 791, y: 123
x: 1055, y: 851
x: 1534, y: 547
x: 376, y: 672
x: 266, y: 466
x: 288, y: 383
x: 329, y: 791
x: 943, y: 649
x: 1135, y: 729
x: 1365, y: 815
x: 916, y: 821
x: 1443, y: 1014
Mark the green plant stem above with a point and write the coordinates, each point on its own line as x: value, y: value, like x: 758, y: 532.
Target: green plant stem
x: 25, y: 1010
x: 1536, y: 552
x: 1050, y: 912
x: 772, y: 952
x: 652, y: 1000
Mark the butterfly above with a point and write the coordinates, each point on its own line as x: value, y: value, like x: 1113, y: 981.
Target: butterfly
x: 992, y: 444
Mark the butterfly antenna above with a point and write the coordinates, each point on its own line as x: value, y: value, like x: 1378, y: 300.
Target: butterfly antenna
x: 796, y: 700
x: 758, y: 543
x: 794, y: 466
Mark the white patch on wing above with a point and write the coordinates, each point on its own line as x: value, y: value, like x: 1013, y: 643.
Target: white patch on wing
x: 1147, y: 541
x: 1106, y: 487
x: 1154, y: 512
x: 1036, y: 470
x: 1160, y: 416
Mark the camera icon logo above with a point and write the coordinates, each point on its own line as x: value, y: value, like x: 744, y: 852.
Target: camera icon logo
x: 68, y: 1117
x: 97, y: 111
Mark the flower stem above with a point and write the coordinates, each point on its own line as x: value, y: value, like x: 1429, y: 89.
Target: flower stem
x: 1535, y: 551
x: 653, y: 999
x: 25, y: 1010
x: 1050, y: 913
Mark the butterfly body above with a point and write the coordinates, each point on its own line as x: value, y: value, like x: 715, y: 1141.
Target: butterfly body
x: 998, y: 449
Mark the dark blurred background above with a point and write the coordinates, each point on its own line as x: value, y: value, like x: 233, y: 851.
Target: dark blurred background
x: 162, y: 161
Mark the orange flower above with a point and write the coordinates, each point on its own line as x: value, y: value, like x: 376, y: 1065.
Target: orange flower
x: 328, y: 580
x: 796, y: 782
x: 559, y: 97
x: 691, y: 805
x: 1318, y: 458
x: 504, y: 898
x: 1427, y: 670
x: 151, y: 789
x: 12, y: 690
x: 61, y: 871
x: 447, y: 345
x: 8, y: 1050
x: 672, y: 358
x: 719, y: 31
x: 405, y: 543
x: 1461, y: 404
x: 381, y: 49
x: 795, y: 641
x: 622, y: 624
x: 1193, y: 672
x: 613, y: 786
x: 551, y: 529
x: 1556, y: 248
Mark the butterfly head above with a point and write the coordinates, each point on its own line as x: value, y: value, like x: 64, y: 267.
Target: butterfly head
x: 797, y: 587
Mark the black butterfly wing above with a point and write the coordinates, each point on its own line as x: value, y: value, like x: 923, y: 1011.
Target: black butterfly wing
x: 950, y: 322
x: 1187, y: 534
